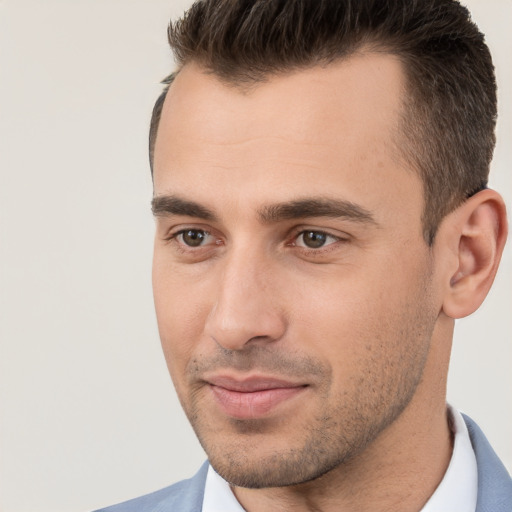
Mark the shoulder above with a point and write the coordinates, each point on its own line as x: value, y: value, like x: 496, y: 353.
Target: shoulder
x: 494, y: 482
x: 185, y: 496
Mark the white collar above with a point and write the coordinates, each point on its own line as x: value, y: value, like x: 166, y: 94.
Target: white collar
x: 459, y: 486
x: 457, y: 491
x: 218, y: 496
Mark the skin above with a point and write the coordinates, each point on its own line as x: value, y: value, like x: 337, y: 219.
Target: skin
x: 356, y: 318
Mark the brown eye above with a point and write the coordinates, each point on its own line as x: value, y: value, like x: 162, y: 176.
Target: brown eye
x: 193, y: 237
x: 314, y: 239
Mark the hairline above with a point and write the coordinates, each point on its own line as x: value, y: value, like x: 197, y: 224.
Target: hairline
x: 405, y: 146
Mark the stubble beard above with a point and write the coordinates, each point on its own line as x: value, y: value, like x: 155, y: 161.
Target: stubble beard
x: 342, y: 427
x: 329, y: 440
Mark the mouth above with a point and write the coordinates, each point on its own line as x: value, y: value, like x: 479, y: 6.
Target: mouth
x: 253, y: 397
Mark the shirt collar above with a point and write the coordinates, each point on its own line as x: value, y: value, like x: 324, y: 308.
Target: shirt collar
x: 459, y: 486
x: 218, y: 496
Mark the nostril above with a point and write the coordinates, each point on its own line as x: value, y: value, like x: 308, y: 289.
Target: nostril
x: 265, y: 328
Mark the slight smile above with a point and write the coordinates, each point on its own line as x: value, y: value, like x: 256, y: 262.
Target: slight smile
x: 253, y: 397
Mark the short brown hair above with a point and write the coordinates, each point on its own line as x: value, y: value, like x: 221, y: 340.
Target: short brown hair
x: 450, y: 109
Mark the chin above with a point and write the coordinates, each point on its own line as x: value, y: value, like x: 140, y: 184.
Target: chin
x: 258, y: 461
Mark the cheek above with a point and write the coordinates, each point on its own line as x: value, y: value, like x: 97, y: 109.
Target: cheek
x: 180, y: 317
x: 341, y: 331
x: 363, y: 324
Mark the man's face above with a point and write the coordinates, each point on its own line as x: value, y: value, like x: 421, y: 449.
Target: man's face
x: 292, y: 285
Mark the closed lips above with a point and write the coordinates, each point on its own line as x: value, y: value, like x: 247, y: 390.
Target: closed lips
x: 251, y: 398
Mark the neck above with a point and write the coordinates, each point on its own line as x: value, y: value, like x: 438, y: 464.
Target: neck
x: 398, y: 471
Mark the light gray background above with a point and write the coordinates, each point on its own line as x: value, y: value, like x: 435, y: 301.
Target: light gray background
x: 89, y: 415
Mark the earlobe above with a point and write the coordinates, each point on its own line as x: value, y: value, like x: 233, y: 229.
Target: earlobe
x: 481, y: 231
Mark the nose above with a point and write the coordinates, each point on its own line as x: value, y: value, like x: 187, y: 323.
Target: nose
x: 246, y: 307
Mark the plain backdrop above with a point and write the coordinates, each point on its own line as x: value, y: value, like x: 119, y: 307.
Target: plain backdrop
x: 88, y: 412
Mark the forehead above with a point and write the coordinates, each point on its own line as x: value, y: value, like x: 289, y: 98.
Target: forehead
x: 308, y: 128
x: 357, y: 88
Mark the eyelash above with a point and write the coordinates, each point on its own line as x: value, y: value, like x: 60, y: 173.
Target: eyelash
x: 174, y: 236
x: 308, y: 251
x: 317, y: 232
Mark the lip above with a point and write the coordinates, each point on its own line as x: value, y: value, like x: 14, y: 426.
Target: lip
x: 252, y: 397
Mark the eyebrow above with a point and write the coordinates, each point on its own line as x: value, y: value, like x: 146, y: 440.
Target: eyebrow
x: 316, y: 207
x: 297, y: 209
x: 173, y: 205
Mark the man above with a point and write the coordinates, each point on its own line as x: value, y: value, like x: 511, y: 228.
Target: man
x: 320, y: 172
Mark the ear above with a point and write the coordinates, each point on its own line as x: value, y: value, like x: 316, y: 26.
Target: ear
x: 478, y: 237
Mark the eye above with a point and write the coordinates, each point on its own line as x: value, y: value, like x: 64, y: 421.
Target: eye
x: 193, y: 237
x: 314, y: 239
